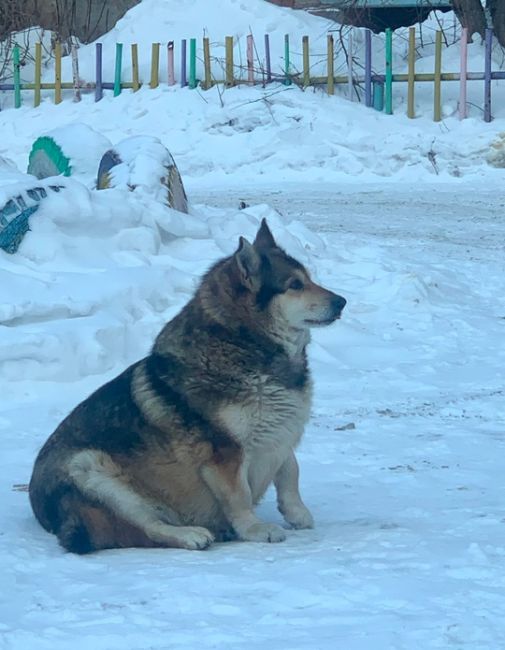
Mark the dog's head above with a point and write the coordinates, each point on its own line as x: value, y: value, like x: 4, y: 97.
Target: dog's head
x: 276, y: 287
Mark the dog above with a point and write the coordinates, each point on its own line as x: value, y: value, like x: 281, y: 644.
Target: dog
x: 178, y: 449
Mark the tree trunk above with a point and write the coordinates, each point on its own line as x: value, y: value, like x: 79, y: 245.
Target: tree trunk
x: 471, y: 15
x: 376, y: 19
x: 86, y: 19
x: 497, y: 11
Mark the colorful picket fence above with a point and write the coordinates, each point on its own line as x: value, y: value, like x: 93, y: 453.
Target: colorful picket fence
x: 378, y: 88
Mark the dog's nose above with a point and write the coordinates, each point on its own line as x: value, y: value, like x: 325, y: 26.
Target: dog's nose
x: 338, y: 303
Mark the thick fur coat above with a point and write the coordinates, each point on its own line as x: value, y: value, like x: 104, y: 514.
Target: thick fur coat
x: 177, y: 450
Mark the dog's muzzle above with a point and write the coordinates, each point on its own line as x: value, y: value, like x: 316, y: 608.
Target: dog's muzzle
x: 337, y: 305
x: 332, y: 312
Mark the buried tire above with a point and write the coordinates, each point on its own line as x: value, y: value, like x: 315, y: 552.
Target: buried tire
x: 143, y: 162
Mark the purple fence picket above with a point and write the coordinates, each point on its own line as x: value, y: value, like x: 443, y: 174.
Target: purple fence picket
x: 98, y: 66
x: 184, y: 81
x: 368, y: 68
x: 487, y: 75
x: 267, y: 58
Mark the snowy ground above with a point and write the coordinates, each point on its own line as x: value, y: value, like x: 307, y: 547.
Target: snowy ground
x: 402, y: 460
x: 401, y: 464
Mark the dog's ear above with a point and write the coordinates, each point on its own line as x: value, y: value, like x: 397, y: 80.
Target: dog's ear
x: 264, y: 239
x: 248, y: 264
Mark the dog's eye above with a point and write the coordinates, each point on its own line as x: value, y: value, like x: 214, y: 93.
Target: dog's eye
x: 296, y: 285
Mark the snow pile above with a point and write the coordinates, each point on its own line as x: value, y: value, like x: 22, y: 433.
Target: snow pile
x: 82, y: 249
x: 147, y: 166
x: 83, y: 146
x: 144, y: 161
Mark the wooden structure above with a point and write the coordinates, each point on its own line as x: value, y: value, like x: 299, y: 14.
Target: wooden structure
x: 378, y: 88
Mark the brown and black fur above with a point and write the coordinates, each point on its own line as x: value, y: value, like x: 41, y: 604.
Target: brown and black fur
x: 178, y: 449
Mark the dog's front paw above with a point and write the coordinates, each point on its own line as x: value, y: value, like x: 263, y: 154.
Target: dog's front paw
x: 263, y: 533
x: 298, y: 517
x: 197, y: 538
x: 192, y: 538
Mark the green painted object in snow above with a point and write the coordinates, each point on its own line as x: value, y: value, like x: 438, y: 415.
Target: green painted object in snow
x: 47, y: 159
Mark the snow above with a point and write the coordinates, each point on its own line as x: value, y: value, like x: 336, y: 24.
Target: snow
x: 401, y: 463
x: 83, y: 146
x: 144, y: 162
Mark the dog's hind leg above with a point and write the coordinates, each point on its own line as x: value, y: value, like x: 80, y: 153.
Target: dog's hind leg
x: 289, y: 501
x: 99, y: 479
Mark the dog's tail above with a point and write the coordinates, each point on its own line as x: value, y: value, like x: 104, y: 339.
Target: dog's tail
x: 74, y: 536
x: 56, y: 508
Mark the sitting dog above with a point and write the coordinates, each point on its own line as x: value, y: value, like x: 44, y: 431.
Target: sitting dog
x: 178, y: 449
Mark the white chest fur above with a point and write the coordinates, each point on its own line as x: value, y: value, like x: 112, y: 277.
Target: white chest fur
x: 269, y: 423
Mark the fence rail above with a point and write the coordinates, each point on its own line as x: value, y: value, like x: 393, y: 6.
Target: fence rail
x: 378, y: 88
